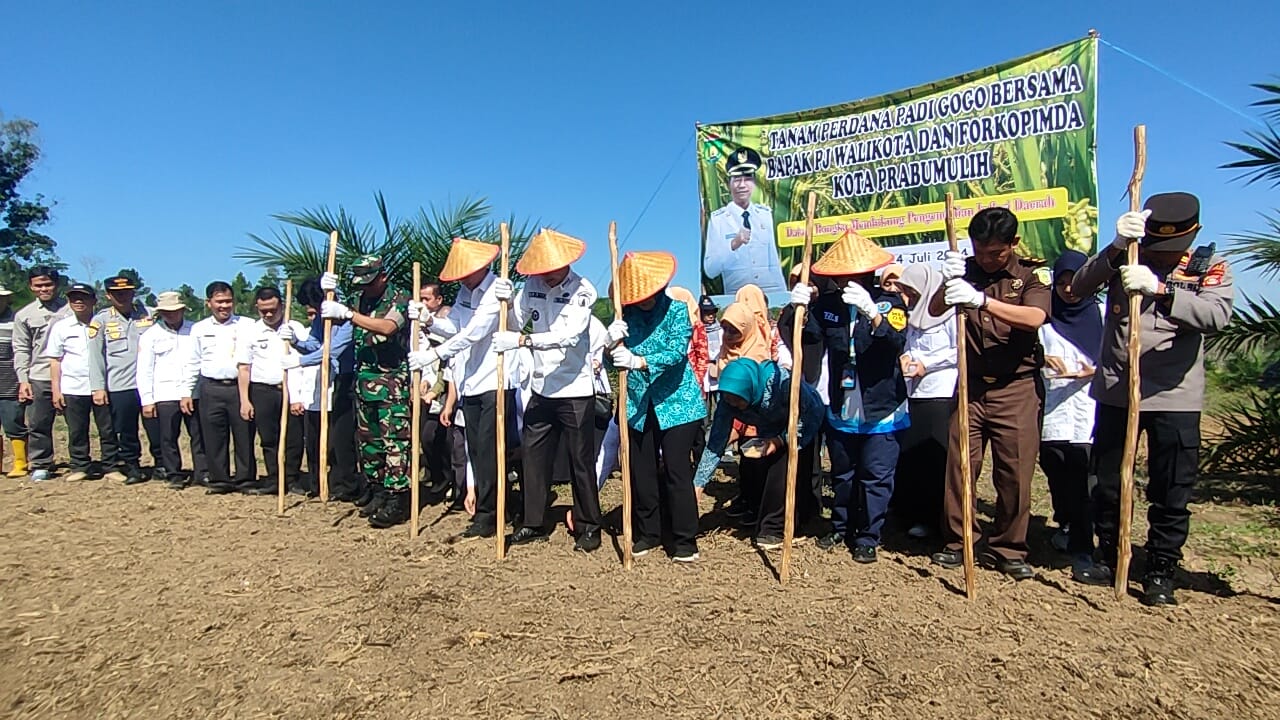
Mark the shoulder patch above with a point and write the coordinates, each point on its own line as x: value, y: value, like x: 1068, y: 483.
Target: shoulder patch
x: 1044, y: 275
x: 897, y: 318
x: 145, y: 322
x: 1213, y: 278
x: 93, y: 329
x: 883, y: 306
x: 758, y: 206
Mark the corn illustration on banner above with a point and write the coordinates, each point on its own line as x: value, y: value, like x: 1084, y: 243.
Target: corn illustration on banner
x: 1020, y: 135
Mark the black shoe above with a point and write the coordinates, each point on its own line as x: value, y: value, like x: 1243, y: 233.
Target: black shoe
x: 526, y: 535
x: 737, y: 510
x: 257, y: 488
x: 1157, y: 584
x: 949, y: 559
x: 156, y: 471
x: 830, y: 541
x: 372, y: 507
x: 366, y: 496
x: 213, y: 488
x: 588, y: 541
x: 348, y: 496
x: 133, y: 476
x: 643, y: 546
x: 769, y: 542
x: 1015, y: 568
x: 1087, y: 572
x: 394, y: 511
x: 202, y: 481
x: 865, y: 554
x: 458, y: 505
x: 477, y: 530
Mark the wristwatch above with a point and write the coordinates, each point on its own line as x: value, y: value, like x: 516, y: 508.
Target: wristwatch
x: 525, y: 341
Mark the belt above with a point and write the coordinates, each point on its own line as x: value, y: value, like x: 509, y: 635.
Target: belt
x: 217, y: 381
x: 994, y: 380
x: 275, y: 386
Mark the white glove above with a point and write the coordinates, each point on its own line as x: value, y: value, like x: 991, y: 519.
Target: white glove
x: 290, y: 361
x: 1129, y: 227
x: 857, y: 297
x: 417, y: 310
x: 624, y: 359
x: 617, y: 331
x: 285, y: 333
x: 334, y: 310
x: 1139, y: 279
x: 505, y: 341
x: 328, y: 281
x: 801, y: 294
x: 959, y: 292
x: 503, y: 289
x: 423, y: 359
x: 952, y: 265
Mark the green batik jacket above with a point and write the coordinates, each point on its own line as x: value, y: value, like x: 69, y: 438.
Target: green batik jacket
x: 667, y: 386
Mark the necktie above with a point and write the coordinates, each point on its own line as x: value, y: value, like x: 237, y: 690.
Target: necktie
x: 746, y: 219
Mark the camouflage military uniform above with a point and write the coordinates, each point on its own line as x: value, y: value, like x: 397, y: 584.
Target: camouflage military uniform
x: 382, y: 393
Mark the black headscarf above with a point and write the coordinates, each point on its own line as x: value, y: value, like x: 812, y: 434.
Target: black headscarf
x: 1079, y: 322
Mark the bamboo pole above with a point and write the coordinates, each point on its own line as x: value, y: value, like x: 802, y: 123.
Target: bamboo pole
x: 284, y: 404
x: 1124, y: 550
x: 797, y: 379
x: 415, y: 397
x: 324, y: 379
x: 962, y: 421
x: 624, y: 430
x: 501, y: 413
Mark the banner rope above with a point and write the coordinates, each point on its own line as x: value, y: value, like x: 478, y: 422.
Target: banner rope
x: 1221, y: 103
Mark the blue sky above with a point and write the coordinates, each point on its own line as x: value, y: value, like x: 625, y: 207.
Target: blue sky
x: 171, y: 130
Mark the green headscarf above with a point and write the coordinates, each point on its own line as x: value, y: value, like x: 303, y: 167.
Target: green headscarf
x: 746, y: 378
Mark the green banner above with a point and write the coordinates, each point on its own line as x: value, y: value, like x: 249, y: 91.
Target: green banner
x: 1020, y: 134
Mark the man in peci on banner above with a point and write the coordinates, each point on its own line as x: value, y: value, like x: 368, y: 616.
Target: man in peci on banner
x: 740, y: 247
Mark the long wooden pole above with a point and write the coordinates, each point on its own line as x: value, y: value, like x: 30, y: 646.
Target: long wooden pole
x: 284, y: 404
x: 1124, y: 550
x: 962, y: 421
x: 624, y: 430
x: 501, y: 413
x: 797, y: 379
x: 324, y: 379
x: 415, y: 397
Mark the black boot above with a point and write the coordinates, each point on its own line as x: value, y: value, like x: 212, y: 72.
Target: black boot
x: 372, y: 507
x: 1157, y: 583
x: 394, y: 510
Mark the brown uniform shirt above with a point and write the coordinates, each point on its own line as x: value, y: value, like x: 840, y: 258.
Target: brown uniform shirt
x: 995, y: 350
x: 1171, y: 364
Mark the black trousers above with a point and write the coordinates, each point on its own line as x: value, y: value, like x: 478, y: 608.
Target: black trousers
x: 220, y: 426
x: 77, y: 412
x: 40, y: 415
x: 480, y: 412
x: 155, y: 440
x: 266, y: 401
x: 764, y: 489
x: 667, y: 498
x: 1173, y: 458
x: 126, y: 408
x: 1066, y: 466
x: 437, y: 452
x: 458, y: 461
x: 549, y: 424
x: 922, y: 461
x: 343, y: 479
x: 169, y: 421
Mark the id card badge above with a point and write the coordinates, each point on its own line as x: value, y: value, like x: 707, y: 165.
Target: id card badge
x: 849, y: 378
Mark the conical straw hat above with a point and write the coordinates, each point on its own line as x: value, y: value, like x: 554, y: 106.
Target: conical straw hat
x: 852, y: 254
x: 643, y: 274
x: 466, y: 257
x: 549, y: 251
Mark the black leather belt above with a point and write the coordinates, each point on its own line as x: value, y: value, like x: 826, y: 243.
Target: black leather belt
x: 217, y: 381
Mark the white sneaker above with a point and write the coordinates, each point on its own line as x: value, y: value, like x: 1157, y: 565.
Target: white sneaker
x: 114, y: 475
x: 919, y: 530
x: 77, y: 476
x: 39, y: 475
x: 687, y: 557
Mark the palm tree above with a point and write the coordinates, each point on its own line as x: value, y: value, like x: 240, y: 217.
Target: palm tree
x: 299, y: 245
x: 1251, y: 423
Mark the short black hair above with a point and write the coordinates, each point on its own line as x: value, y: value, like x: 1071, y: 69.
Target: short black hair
x: 217, y: 287
x: 433, y: 287
x: 310, y: 294
x: 266, y: 293
x: 43, y: 271
x: 994, y: 224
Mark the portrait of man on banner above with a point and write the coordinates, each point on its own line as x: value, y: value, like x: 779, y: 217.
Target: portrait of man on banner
x: 740, y: 247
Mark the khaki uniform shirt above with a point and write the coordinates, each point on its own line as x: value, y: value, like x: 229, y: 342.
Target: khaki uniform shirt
x: 1171, y: 364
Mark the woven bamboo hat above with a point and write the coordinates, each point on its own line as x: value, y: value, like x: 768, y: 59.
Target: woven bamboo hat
x: 852, y: 254
x: 643, y: 275
x: 466, y: 257
x: 549, y: 251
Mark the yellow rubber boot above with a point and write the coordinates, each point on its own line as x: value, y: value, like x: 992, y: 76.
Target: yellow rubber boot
x: 19, y: 459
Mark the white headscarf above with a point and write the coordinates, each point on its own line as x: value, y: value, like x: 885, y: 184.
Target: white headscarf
x: 925, y: 280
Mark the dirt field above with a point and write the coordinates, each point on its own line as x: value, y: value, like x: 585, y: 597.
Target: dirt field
x: 148, y: 603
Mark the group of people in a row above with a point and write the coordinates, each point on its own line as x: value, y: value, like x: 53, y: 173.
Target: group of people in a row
x: 1047, y: 375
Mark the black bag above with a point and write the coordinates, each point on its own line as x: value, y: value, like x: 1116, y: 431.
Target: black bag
x: 604, y: 406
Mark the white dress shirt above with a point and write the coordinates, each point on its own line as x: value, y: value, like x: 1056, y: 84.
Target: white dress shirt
x: 756, y: 262
x: 68, y: 342
x: 162, y: 357
x: 561, y: 339
x: 475, y: 312
x: 213, y: 350
x: 934, y: 348
x: 1068, y: 409
x: 304, y: 388
x: 599, y: 337
x: 261, y: 349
